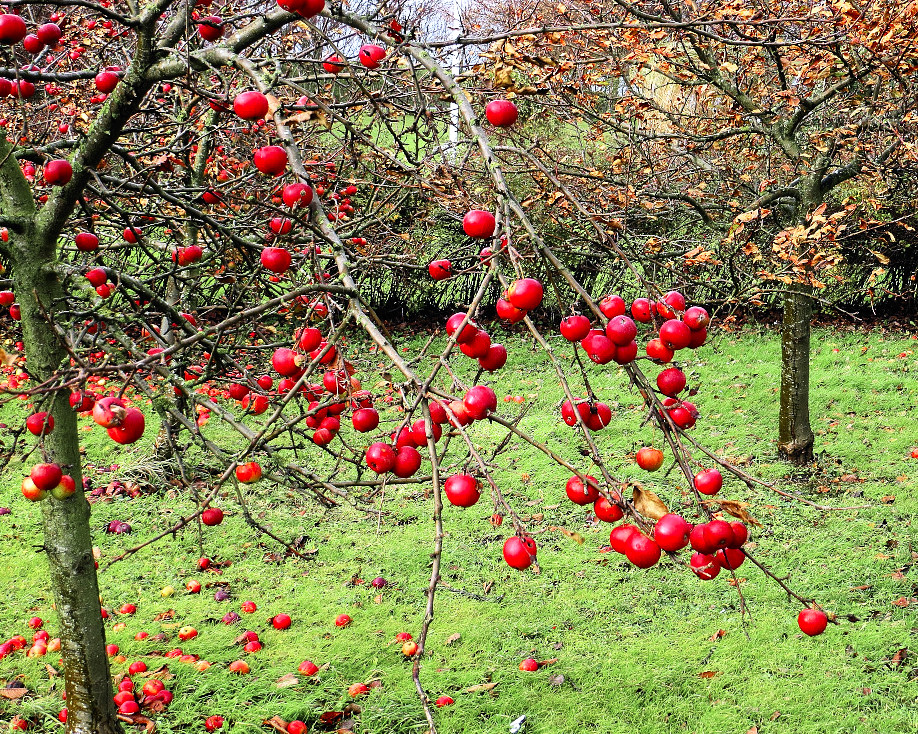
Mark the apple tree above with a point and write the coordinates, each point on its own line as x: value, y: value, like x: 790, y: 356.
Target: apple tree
x: 191, y: 205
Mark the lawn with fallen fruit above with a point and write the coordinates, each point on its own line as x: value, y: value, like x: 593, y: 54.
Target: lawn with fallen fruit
x: 620, y: 649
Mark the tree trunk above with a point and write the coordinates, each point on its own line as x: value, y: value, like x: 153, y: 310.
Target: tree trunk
x: 67, y: 537
x: 795, y: 437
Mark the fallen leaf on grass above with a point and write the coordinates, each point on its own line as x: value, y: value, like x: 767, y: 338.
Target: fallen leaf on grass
x: 278, y: 724
x: 903, y: 601
x: 576, y: 537
x: 548, y: 662
x: 13, y: 690
x: 555, y: 680
x: 138, y: 720
x: 51, y: 671
x: 753, y: 730
x: 899, y: 657
x: 288, y: 680
x: 453, y: 638
x: 168, y: 614
x: 708, y: 673
x: 481, y: 687
x: 888, y: 499
x: 718, y: 635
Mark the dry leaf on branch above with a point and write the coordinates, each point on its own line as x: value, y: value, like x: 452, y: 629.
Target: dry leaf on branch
x: 648, y: 504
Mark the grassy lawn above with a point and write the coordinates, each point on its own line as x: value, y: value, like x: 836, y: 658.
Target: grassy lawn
x: 637, y: 651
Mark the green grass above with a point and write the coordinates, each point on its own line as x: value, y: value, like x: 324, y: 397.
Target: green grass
x: 631, y: 645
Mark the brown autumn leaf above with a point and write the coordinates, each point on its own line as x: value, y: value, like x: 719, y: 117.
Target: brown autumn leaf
x: 277, y: 723
x: 648, y: 504
x: 330, y: 717
x: 899, y: 657
x: 274, y: 104
x: 14, y: 690
x: 576, y: 537
x: 7, y: 359
x: 51, y: 671
x: 138, y: 720
x: 168, y: 614
x: 888, y: 499
x: 903, y: 601
x: 753, y: 730
x: 556, y: 680
x: 738, y: 509
x: 453, y: 638
x: 548, y: 662
x: 718, y: 635
x: 708, y: 673
x: 482, y: 687
x: 287, y: 681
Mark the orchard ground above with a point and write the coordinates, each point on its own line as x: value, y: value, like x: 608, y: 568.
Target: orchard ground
x: 636, y: 651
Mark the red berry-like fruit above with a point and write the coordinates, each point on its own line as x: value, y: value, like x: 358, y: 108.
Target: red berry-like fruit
x: 621, y: 331
x: 58, y: 173
x: 479, y: 401
x: 672, y: 532
x: 212, y: 516
x: 462, y: 490
x: 704, y: 566
x: 649, y: 459
x: 581, y: 493
x: 440, y: 269
x: 380, y: 457
x: 333, y: 64
x: 642, y: 311
x: 276, y: 259
x: 342, y: 620
x: 709, y: 481
x: 525, y: 294
x: 642, y: 551
x: 812, y: 622
x: 308, y: 668
x: 529, y: 665
x: 671, y: 381
x: 130, y: 429
x: 40, y: 424
x: 501, y: 113
x: 468, y: 332
x: 281, y: 621
x: 675, y: 334
x: 494, y: 359
x: 730, y: 558
x: 575, y: 328
x: 612, y: 306
x: 271, y: 160
x: 444, y: 701
x: 479, y: 223
x: 620, y: 537
x: 718, y: 533
x: 519, y: 553
x: 696, y: 318
x: 607, y: 511
x: 370, y: 55
x: 251, y: 105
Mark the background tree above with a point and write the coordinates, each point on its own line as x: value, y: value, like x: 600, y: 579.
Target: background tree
x: 736, y: 142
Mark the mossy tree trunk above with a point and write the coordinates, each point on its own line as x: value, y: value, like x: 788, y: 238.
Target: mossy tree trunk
x: 67, y: 539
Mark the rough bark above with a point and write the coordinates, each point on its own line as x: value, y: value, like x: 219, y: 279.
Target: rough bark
x: 795, y: 436
x: 67, y: 538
